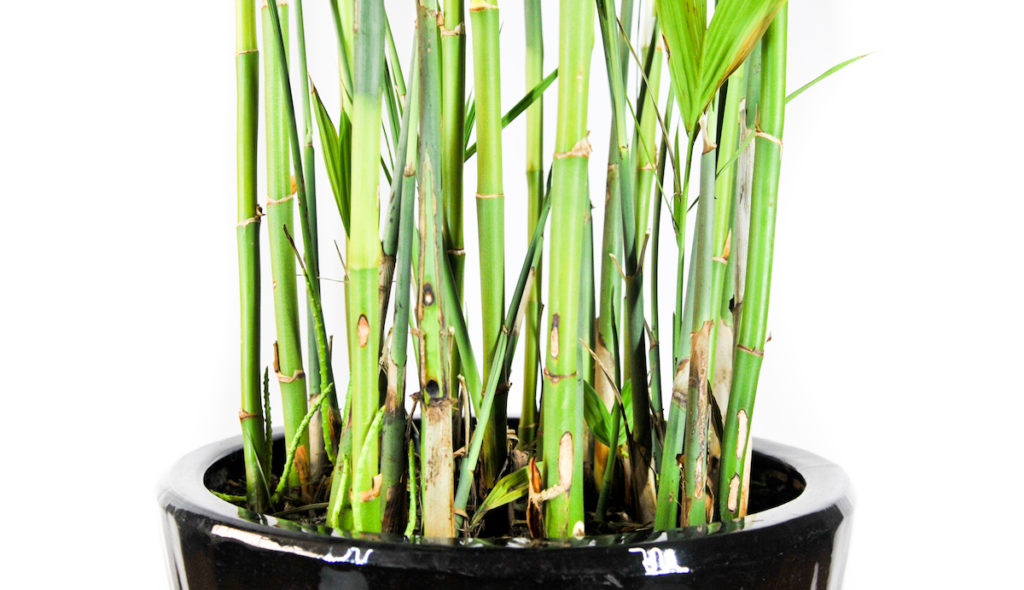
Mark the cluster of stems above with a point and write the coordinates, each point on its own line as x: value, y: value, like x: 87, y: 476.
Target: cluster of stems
x: 594, y: 435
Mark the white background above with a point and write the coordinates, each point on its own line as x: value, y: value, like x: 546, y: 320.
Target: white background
x: 895, y: 312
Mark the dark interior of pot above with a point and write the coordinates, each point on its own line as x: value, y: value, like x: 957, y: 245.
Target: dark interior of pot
x: 772, y: 484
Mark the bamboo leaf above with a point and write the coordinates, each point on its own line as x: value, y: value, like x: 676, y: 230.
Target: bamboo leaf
x: 701, y: 58
x: 735, y: 28
x: 514, y: 112
x: 508, y: 489
x: 335, y: 161
x: 822, y: 76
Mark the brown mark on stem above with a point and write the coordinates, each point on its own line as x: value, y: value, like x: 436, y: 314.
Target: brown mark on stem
x: 742, y: 426
x: 374, y: 491
x: 363, y: 330
x: 734, y: 493
x: 553, y: 338
x: 581, y: 149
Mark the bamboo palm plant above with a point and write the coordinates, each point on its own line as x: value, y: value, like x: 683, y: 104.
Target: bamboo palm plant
x: 596, y: 449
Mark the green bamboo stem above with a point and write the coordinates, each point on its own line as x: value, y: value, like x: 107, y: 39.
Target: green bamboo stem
x: 654, y: 351
x: 610, y: 299
x: 255, y: 447
x: 317, y: 454
x: 641, y: 493
x: 725, y: 185
x: 280, y: 213
x: 744, y: 179
x: 453, y: 125
x: 644, y: 150
x: 535, y: 193
x: 698, y: 399
x: 327, y: 389
x: 733, y: 483
x: 363, y: 253
x: 393, y: 452
x: 506, y: 346
x: 490, y: 206
x: 562, y: 409
x: 435, y: 385
x: 670, y: 472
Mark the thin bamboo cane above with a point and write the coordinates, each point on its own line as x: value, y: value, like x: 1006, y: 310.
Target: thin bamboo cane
x: 363, y: 254
x: 490, y: 206
x: 436, y: 398
x: 610, y: 301
x: 256, y: 451
x: 641, y: 495
x: 393, y: 452
x: 535, y: 192
x: 562, y: 409
x: 317, y: 454
x: 733, y: 484
x: 670, y: 473
x: 326, y: 400
x: 280, y: 213
x: 721, y: 341
x: 696, y: 509
x: 453, y: 124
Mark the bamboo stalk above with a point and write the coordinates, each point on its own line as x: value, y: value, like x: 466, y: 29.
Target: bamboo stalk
x: 317, y: 454
x: 641, y: 493
x: 280, y: 213
x: 670, y: 472
x: 562, y: 409
x: 698, y: 400
x: 435, y: 386
x: 256, y: 451
x: 506, y: 344
x: 393, y: 452
x: 654, y: 351
x: 490, y: 206
x: 363, y: 253
x: 453, y: 124
x: 610, y: 299
x: 721, y: 342
x: 535, y: 193
x: 752, y: 330
x: 326, y: 398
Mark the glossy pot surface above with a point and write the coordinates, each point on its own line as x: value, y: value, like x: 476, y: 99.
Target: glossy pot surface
x: 797, y: 538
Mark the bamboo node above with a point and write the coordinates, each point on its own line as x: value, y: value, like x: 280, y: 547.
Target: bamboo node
x: 253, y: 219
x: 457, y: 30
x: 243, y: 415
x: 494, y: 196
x: 479, y: 5
x: 279, y: 201
x: 555, y: 378
x: 720, y: 259
x: 753, y: 351
x: 769, y: 137
x: 456, y: 252
x: 581, y: 149
x: 296, y: 375
x: 245, y: 51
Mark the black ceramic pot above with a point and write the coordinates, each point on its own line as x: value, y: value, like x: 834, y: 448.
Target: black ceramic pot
x: 796, y: 537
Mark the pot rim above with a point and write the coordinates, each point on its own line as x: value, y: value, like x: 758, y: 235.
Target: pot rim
x: 182, y: 489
